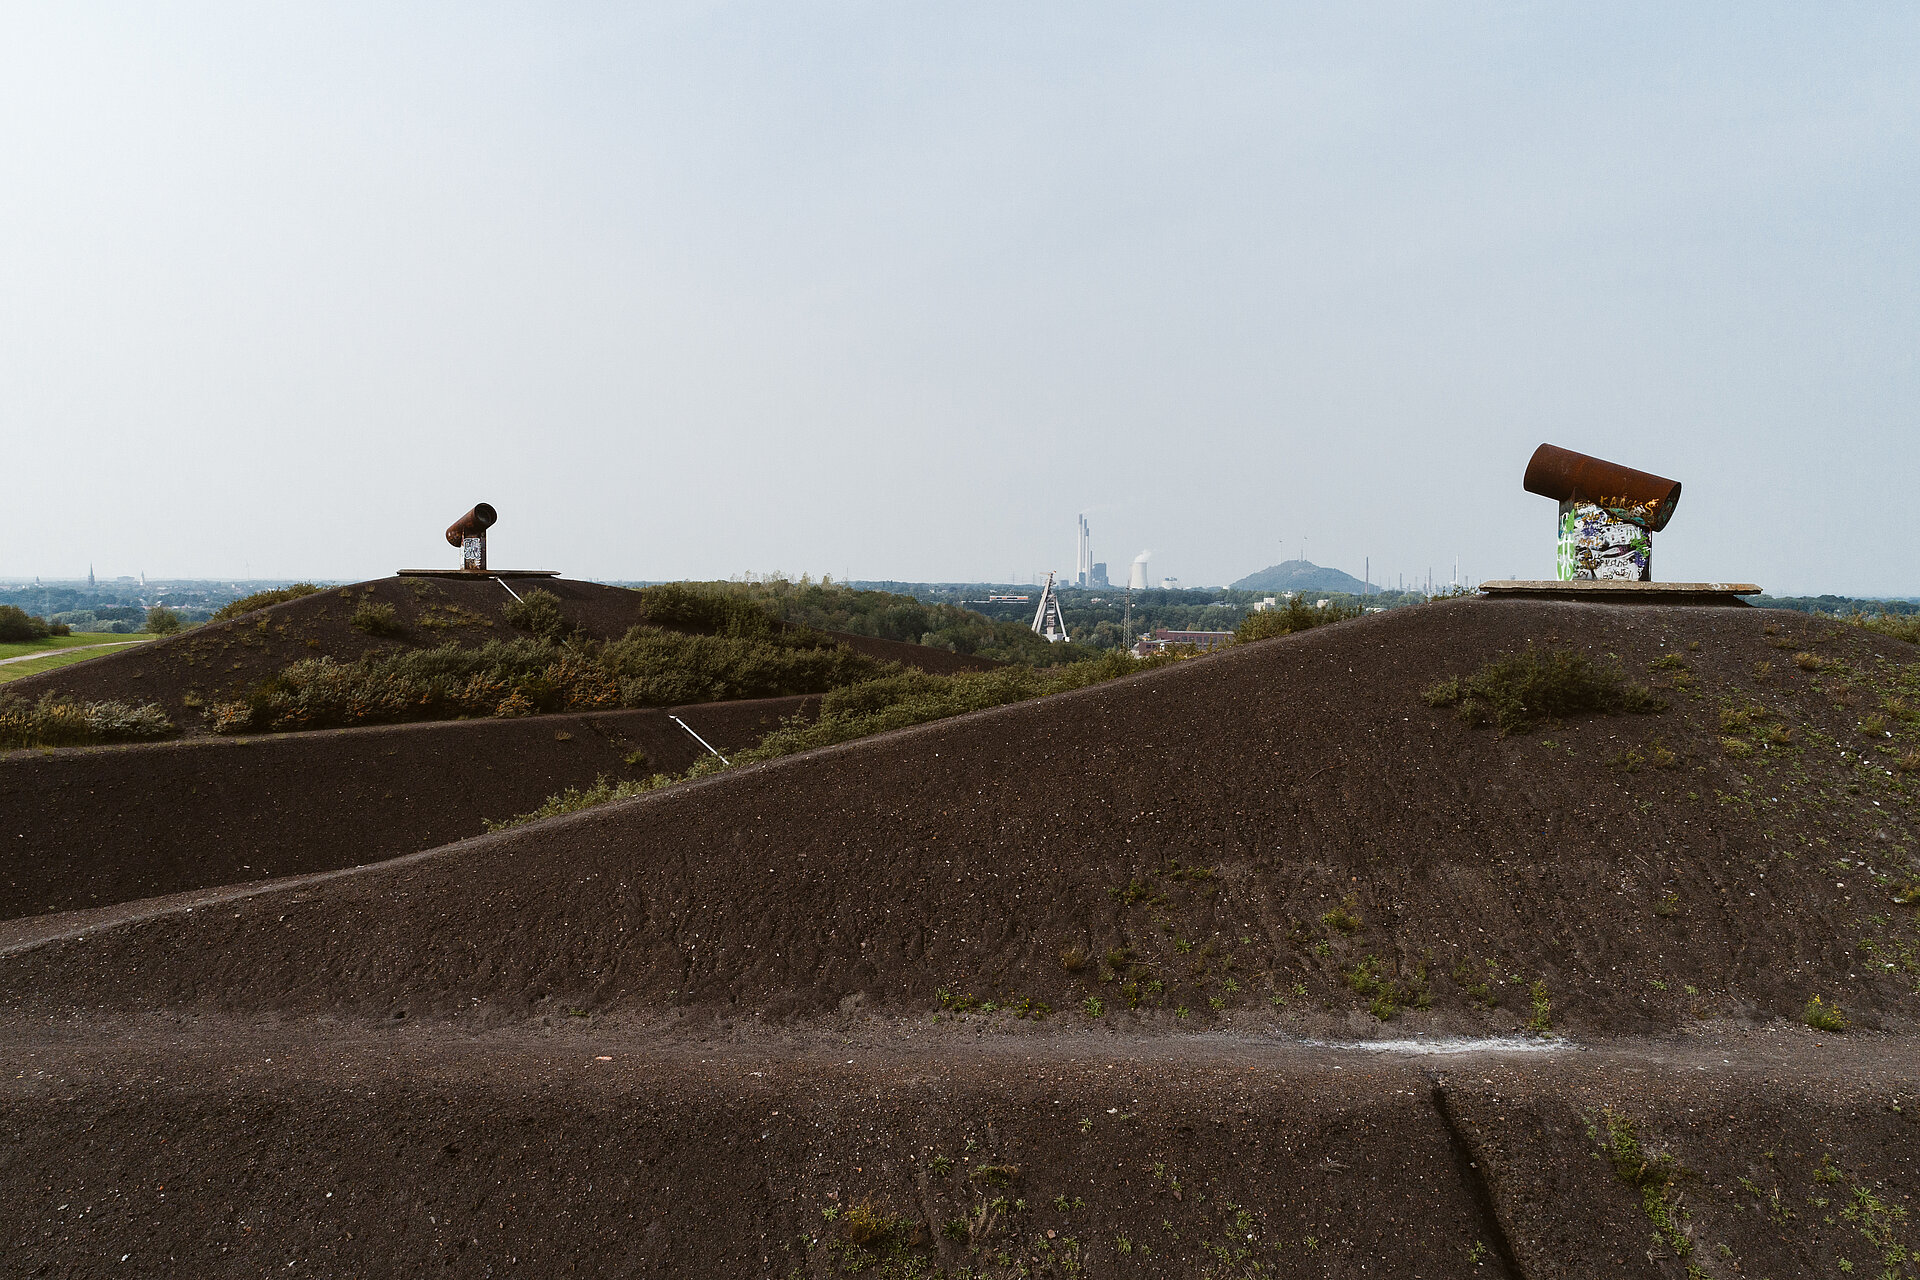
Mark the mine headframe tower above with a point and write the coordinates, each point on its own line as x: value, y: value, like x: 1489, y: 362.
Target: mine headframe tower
x: 1047, y: 622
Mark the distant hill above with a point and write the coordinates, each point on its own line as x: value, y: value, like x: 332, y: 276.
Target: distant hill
x: 1300, y: 575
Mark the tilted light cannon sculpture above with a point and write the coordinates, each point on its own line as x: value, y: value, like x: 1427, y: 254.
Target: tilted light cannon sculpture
x: 1608, y: 513
x: 469, y: 533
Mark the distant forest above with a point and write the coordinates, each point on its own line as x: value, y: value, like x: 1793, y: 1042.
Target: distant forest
x: 1096, y: 616
x: 121, y: 605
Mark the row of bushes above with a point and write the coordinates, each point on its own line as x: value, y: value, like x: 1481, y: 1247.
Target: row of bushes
x: 1296, y: 615
x: 892, y: 701
x: 60, y: 721
x: 17, y: 624
x: 648, y: 667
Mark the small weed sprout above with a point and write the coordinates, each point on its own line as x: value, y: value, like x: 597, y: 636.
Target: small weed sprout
x: 1124, y: 1245
x: 1093, y: 1006
x: 1542, y: 1016
x: 941, y: 1164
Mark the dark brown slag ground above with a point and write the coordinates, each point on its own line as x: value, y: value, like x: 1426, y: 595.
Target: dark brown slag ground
x: 682, y: 1034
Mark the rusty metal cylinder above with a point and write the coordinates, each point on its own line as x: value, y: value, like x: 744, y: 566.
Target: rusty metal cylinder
x: 1565, y: 476
x: 474, y: 524
x: 469, y: 533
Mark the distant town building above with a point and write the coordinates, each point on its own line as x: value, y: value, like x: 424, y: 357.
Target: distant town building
x: 1163, y: 638
x: 1098, y: 578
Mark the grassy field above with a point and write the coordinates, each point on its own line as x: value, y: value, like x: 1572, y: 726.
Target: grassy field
x: 15, y: 648
x: 59, y: 651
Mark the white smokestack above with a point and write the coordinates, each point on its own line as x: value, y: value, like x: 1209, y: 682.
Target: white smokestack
x: 1137, y: 576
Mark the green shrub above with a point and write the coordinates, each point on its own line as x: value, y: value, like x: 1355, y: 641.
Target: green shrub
x: 692, y: 608
x: 526, y: 676
x: 1296, y: 615
x: 60, y: 721
x: 538, y: 613
x: 162, y: 621
x: 1519, y: 690
x: 1898, y: 626
x: 376, y: 618
x: 261, y: 599
x: 1822, y: 1016
x: 17, y: 624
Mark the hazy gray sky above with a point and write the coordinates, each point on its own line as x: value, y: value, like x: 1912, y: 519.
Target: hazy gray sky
x: 896, y: 290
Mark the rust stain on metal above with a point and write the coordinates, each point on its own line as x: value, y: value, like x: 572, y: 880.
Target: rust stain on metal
x: 1636, y: 497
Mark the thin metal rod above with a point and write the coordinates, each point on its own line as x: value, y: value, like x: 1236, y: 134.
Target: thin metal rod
x: 696, y: 737
x: 510, y: 590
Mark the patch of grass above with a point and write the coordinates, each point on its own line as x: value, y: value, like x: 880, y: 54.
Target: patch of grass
x: 1093, y: 1006
x: 1651, y: 755
x: 1808, y: 661
x: 1477, y: 985
x: 1653, y: 1176
x: 1822, y: 1016
x: 1345, y: 917
x: 994, y: 1175
x: 1135, y: 892
x: 1518, y: 691
x: 1073, y: 959
x: 868, y: 1225
x: 53, y: 644
x: 58, y: 658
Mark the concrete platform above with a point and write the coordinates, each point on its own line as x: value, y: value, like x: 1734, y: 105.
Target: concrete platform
x: 1606, y: 591
x: 476, y: 573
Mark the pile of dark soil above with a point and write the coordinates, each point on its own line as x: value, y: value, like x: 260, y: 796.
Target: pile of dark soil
x: 1017, y: 925
x: 1287, y: 825
x: 184, y: 673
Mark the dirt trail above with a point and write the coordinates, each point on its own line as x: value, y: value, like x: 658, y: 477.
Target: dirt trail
x: 574, y: 1149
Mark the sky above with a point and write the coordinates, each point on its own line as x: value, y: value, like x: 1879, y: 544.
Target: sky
x: 896, y: 291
